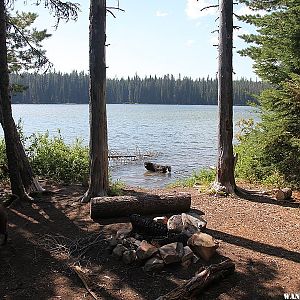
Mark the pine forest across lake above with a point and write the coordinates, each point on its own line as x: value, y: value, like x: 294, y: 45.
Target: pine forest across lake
x: 54, y: 88
x: 182, y: 136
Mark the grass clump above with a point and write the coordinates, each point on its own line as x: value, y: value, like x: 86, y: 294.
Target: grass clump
x: 203, y: 178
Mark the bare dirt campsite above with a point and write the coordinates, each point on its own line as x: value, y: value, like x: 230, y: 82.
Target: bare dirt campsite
x: 55, y: 251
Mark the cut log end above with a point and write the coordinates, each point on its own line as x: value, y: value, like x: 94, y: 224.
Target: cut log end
x: 283, y: 194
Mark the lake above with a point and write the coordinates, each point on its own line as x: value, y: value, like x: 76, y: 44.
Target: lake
x: 182, y: 136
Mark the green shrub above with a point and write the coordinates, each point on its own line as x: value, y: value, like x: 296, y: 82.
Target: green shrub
x: 269, y: 153
x: 204, y: 178
x: 52, y: 157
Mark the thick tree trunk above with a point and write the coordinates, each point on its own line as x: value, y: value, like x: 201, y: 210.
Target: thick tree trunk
x: 124, y: 206
x: 225, y: 173
x: 8, y: 122
x: 30, y: 183
x: 98, y: 181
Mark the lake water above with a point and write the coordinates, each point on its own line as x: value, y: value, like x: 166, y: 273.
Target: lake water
x: 184, y: 137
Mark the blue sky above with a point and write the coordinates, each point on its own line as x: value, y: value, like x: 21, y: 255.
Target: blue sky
x: 150, y: 37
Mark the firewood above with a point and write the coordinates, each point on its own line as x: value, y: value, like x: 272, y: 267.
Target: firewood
x: 283, y: 194
x: 124, y: 206
x: 199, y: 282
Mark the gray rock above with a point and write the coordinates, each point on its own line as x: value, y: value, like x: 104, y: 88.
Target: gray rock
x: 129, y: 256
x: 185, y: 264
x: 112, y: 242
x: 123, y: 233
x: 175, y: 223
x: 195, y: 259
x: 153, y: 264
x: 172, y: 253
x: 119, y: 250
x: 192, y: 223
x: 145, y: 250
x: 187, y: 254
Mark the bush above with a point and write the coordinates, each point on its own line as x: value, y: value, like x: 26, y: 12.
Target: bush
x: 204, y: 177
x: 270, y: 151
x: 52, y: 157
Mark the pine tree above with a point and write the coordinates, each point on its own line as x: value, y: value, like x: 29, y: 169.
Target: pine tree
x: 271, y: 150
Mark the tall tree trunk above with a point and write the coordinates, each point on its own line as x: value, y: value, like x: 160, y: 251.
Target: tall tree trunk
x: 225, y: 172
x: 17, y: 186
x: 98, y: 183
x: 30, y: 183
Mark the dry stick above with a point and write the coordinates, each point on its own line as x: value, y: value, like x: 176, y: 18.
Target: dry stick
x: 78, y: 271
x: 200, y: 281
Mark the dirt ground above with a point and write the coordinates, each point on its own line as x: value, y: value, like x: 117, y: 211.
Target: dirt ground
x: 260, y: 235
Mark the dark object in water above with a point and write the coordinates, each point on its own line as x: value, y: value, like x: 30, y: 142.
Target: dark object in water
x: 3, y: 224
x: 156, y: 168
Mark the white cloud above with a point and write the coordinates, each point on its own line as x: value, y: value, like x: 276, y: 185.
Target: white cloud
x: 214, y: 40
x: 193, y: 8
x: 160, y: 13
x: 190, y: 43
x: 245, y: 10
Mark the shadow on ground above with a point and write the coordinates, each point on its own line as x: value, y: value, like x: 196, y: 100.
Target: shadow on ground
x: 30, y: 271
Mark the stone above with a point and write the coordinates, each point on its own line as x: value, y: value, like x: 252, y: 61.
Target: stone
x: 203, y: 245
x: 192, y: 223
x: 119, y: 250
x: 162, y: 220
x: 171, y: 253
x: 112, y: 242
x: 123, y: 233
x: 145, y: 250
x: 129, y: 256
x: 195, y: 259
x: 153, y: 264
x: 175, y: 223
x: 185, y: 264
x: 187, y: 253
x: 132, y: 243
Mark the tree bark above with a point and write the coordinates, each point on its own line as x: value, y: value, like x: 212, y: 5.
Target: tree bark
x: 9, y: 127
x: 98, y: 179
x: 225, y: 172
x: 124, y: 206
x: 30, y: 183
x: 192, y: 288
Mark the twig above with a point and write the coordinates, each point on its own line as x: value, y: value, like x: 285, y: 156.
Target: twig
x: 79, y: 272
x: 208, y: 7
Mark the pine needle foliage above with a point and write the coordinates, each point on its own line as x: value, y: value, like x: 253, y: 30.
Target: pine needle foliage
x: 270, y: 151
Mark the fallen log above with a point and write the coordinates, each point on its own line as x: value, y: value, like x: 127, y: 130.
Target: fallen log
x: 199, y: 282
x: 147, y: 204
x: 283, y: 194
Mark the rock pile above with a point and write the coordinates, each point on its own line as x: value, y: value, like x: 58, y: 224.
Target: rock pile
x: 183, y: 241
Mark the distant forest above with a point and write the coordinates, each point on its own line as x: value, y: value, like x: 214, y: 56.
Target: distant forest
x: 73, y: 88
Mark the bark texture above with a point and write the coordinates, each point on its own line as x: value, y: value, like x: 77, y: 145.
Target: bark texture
x: 8, y: 123
x: 225, y: 174
x: 98, y: 179
x: 192, y: 288
x: 124, y: 206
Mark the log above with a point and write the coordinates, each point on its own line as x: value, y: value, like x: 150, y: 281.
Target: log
x: 283, y: 194
x: 147, y: 204
x: 199, y: 282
